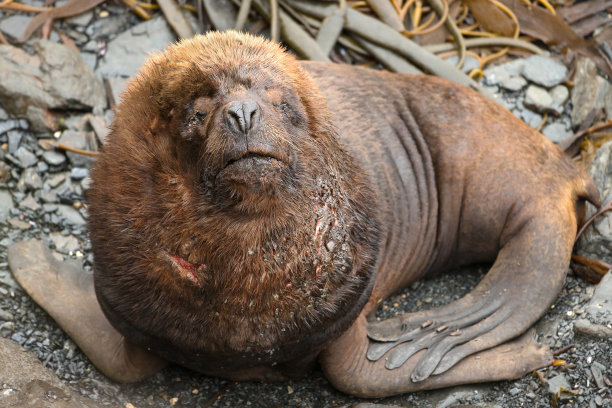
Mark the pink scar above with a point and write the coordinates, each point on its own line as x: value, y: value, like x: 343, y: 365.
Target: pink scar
x: 187, y: 269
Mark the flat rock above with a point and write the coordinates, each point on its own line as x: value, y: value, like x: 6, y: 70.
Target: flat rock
x: 55, y: 77
x: 6, y: 204
x: 31, y: 179
x: 557, y: 382
x: 538, y: 99
x: 556, y: 132
x: 70, y: 214
x: 26, y: 383
x: 128, y: 51
x: 590, y: 93
x: 544, y: 71
x: 65, y: 243
x: 508, y: 74
x: 71, y: 77
x: 30, y: 203
x: 596, y: 242
x: 599, y: 308
x: 14, y: 26
x: 54, y: 158
x: 559, y: 95
x: 26, y: 157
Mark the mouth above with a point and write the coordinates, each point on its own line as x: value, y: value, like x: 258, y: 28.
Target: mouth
x: 256, y: 157
x: 253, y: 168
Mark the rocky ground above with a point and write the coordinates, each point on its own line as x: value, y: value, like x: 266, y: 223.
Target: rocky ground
x: 42, y: 196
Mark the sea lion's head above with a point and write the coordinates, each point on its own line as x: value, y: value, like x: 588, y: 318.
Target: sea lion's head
x: 226, y: 221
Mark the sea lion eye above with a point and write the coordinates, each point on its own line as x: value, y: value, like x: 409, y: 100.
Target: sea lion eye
x: 283, y: 106
x: 192, y: 124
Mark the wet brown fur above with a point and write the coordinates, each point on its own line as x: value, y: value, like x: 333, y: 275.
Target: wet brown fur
x: 264, y: 287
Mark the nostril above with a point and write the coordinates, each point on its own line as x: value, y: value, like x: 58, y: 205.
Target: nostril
x: 243, y: 115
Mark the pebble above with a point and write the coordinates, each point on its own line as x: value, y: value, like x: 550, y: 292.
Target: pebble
x: 70, y: 214
x: 20, y: 224
x: 596, y: 242
x: 30, y: 203
x: 53, y: 158
x: 557, y: 382
x: 590, y: 93
x: 26, y: 157
x: 6, y: 204
x: 544, y: 71
x: 78, y: 173
x: 556, y: 132
x: 55, y: 180
x: 31, y: 179
x: 538, y: 99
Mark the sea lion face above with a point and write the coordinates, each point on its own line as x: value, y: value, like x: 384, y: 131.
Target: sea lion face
x: 226, y: 222
x: 246, y: 121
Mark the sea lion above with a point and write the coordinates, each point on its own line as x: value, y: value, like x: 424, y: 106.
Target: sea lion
x: 249, y: 211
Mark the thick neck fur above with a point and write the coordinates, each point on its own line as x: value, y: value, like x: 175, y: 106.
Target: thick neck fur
x: 264, y: 276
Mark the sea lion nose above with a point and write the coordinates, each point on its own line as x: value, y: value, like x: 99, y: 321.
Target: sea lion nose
x: 243, y: 115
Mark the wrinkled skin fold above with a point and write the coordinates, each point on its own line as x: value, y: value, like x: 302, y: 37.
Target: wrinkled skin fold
x: 249, y: 212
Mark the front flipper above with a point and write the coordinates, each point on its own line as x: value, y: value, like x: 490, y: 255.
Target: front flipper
x: 522, y: 284
x: 67, y: 293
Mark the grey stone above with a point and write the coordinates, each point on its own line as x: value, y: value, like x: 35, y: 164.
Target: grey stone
x: 556, y: 132
x: 532, y: 118
x: 8, y: 124
x: 100, y: 128
x: 560, y: 95
x: 72, y: 79
x: 82, y: 19
x: 14, y: 26
x: 117, y: 86
x: 599, y: 308
x: 54, y: 158
x: 42, y: 120
x: 31, y: 179
x: 6, y: 204
x: 598, y: 370
x: 48, y: 196
x: 66, y: 243
x: 30, y: 203
x: 79, y: 173
x: 55, y: 180
x: 596, y: 241
x: 544, y: 71
x: 128, y: 51
x: 54, y: 78
x: 538, y: 99
x: 6, y: 316
x: 42, y: 167
x: 557, y: 382
x: 5, y: 174
x: 70, y: 214
x: 513, y: 83
x: 590, y: 93
x: 14, y: 139
x: 499, y: 74
x: 105, y: 27
x: 26, y: 157
x: 90, y: 59
x: 26, y: 383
